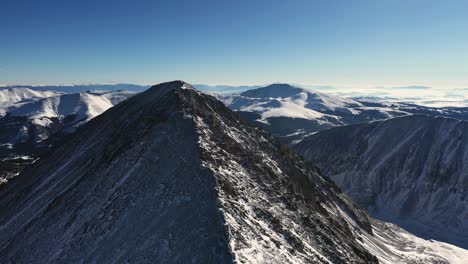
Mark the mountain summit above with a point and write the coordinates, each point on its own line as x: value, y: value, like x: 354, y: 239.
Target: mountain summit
x: 291, y: 112
x: 312, y: 99
x: 172, y: 175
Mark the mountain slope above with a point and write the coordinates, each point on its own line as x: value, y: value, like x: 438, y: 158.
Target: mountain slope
x: 172, y: 175
x: 31, y: 126
x: 79, y: 106
x: 10, y: 96
x: 291, y: 113
x: 82, y: 106
x: 119, y: 167
x: 286, y: 100
x: 310, y: 99
x: 410, y: 170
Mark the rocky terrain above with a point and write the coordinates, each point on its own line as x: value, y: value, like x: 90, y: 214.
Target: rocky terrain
x: 412, y: 171
x: 172, y: 175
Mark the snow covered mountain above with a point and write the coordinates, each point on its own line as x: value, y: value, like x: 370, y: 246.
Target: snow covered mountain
x: 77, y: 108
x: 282, y: 93
x: 410, y: 170
x: 290, y: 112
x: 79, y: 88
x: 30, y: 118
x: 10, y: 96
x: 172, y: 175
x: 80, y: 107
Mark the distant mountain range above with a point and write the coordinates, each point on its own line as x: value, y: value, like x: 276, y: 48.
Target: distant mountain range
x: 286, y: 111
x: 78, y: 88
x: 125, y: 87
x: 173, y: 175
x: 32, y: 121
x: 290, y: 112
x: 410, y: 170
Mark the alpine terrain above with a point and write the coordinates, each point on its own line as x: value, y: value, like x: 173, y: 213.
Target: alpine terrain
x: 33, y: 121
x: 412, y: 171
x: 290, y: 112
x: 172, y: 175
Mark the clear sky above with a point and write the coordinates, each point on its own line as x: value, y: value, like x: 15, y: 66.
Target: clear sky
x: 329, y: 42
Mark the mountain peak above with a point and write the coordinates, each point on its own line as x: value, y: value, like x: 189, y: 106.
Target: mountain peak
x: 172, y: 85
x: 175, y: 170
x: 173, y: 175
x: 280, y: 85
x: 280, y: 90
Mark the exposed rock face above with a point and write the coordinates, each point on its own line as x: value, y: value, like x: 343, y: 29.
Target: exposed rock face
x: 411, y: 170
x: 172, y: 175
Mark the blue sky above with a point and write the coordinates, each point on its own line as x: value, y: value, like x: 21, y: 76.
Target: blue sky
x: 329, y: 42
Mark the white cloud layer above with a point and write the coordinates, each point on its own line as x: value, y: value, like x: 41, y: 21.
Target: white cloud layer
x: 422, y: 95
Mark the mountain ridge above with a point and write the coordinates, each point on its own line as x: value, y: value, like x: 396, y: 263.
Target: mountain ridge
x: 171, y: 110
x: 291, y: 113
x: 174, y: 175
x: 409, y: 167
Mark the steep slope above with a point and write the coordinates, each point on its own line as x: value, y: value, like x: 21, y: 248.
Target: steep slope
x: 411, y: 170
x: 30, y: 127
x: 172, y: 175
x: 22, y: 142
x: 116, y: 193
